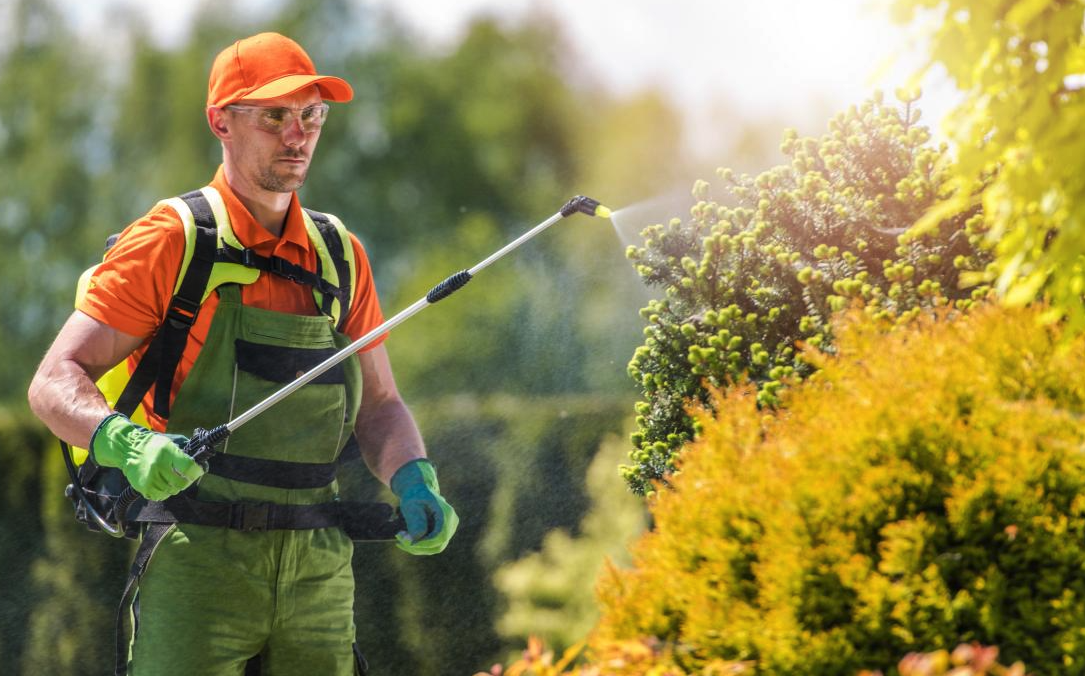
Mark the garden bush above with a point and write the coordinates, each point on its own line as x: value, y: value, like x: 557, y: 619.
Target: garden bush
x: 923, y: 488
x: 651, y: 658
x: 746, y: 278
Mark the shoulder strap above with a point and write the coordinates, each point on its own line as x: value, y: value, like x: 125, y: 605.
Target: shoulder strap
x: 159, y: 363
x: 334, y: 241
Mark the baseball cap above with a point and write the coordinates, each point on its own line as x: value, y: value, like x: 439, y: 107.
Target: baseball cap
x: 265, y: 66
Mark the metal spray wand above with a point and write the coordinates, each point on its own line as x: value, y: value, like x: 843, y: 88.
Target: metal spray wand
x: 202, y: 443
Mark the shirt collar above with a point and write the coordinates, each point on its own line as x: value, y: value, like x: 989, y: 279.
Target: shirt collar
x: 250, y: 233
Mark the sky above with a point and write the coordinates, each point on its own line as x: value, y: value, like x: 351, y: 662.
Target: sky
x: 778, y: 58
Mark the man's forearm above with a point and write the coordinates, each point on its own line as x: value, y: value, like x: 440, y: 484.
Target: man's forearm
x: 63, y: 393
x: 64, y: 397
x: 388, y: 438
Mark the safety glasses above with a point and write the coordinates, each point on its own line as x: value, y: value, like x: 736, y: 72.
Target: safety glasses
x: 275, y: 119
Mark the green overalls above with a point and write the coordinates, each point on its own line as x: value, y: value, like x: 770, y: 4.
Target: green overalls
x: 216, y: 596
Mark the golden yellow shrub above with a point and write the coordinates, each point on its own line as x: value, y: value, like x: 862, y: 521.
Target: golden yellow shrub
x: 924, y: 488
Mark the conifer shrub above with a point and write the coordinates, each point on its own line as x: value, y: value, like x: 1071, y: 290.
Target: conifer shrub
x: 925, y: 487
x: 764, y: 262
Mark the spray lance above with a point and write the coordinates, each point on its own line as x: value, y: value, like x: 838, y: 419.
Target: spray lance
x: 202, y: 443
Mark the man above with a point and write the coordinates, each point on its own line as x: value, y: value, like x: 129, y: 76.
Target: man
x: 216, y: 597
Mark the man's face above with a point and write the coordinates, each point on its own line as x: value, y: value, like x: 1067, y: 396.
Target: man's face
x: 276, y: 161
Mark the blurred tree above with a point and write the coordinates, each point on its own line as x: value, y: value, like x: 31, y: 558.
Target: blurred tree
x: 51, y: 131
x: 59, y: 583
x: 1019, y: 146
x: 550, y: 593
x: 432, y: 137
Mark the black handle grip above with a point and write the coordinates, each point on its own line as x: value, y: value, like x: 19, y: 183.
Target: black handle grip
x: 201, y: 445
x: 445, y: 288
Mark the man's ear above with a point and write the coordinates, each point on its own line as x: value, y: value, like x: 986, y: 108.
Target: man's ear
x: 216, y: 119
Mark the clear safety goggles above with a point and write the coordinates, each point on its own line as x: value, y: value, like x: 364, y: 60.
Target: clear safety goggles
x: 275, y: 119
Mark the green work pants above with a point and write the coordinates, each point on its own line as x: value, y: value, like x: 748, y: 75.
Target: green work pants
x: 286, y: 596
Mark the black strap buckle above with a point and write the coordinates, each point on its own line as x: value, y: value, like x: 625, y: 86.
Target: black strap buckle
x: 248, y: 258
x: 182, y: 312
x: 285, y: 269
x: 250, y: 516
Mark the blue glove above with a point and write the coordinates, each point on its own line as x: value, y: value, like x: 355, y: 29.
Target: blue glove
x: 431, y: 522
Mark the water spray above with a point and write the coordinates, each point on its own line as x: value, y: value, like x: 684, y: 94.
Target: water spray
x: 203, y: 442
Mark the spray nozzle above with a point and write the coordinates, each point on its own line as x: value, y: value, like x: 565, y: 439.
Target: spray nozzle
x: 585, y: 205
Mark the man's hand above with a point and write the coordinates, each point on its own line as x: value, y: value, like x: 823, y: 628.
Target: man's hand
x: 431, y: 522
x: 152, y: 462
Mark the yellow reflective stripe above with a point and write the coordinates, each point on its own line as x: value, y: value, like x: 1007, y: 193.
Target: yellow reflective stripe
x: 222, y: 217
x: 225, y: 273
x: 189, y: 223
x: 83, y: 284
x: 348, y: 251
x: 327, y: 264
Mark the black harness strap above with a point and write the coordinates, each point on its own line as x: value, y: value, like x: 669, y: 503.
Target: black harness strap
x: 330, y: 234
x: 277, y: 266
x: 274, y: 473
x: 362, y: 521
x: 159, y: 363
x: 151, y: 538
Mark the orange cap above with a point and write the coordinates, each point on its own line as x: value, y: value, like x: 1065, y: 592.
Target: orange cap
x: 266, y: 66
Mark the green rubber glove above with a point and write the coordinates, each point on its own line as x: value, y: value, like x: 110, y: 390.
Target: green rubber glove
x: 431, y: 522
x: 152, y: 462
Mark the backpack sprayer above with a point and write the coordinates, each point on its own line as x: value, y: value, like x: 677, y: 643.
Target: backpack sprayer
x: 202, y: 443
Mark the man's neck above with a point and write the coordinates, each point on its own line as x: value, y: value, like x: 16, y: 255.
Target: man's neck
x: 267, y: 208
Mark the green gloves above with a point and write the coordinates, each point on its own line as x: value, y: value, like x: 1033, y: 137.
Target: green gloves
x: 431, y: 522
x: 152, y: 462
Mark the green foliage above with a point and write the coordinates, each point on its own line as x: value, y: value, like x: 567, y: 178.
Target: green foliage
x: 923, y: 488
x: 58, y: 606
x: 484, y: 129
x: 1018, y: 138
x: 48, y: 116
x: 549, y: 592
x: 744, y: 284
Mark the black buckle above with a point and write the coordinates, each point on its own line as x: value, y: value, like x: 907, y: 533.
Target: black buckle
x: 250, y: 516
x: 182, y: 312
x: 285, y: 269
x: 248, y: 258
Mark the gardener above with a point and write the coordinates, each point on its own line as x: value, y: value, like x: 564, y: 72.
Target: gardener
x: 285, y: 288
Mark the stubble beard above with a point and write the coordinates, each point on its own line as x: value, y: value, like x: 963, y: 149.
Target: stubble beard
x: 275, y: 182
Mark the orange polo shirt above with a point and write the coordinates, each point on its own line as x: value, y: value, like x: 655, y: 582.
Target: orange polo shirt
x: 131, y: 290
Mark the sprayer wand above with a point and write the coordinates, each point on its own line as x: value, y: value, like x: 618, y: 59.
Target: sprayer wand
x: 202, y: 443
